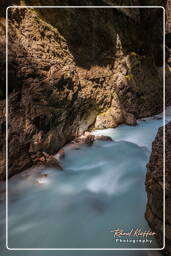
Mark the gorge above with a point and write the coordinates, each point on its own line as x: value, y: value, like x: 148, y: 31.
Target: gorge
x: 73, y: 70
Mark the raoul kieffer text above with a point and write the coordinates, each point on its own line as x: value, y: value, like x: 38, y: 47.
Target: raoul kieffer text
x: 132, y: 233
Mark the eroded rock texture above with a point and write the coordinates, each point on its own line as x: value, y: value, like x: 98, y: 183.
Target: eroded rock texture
x: 154, y: 187
x: 74, y: 69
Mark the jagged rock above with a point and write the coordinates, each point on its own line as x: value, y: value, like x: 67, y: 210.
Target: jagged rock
x: 48, y: 161
x: 116, y: 110
x: 154, y: 187
x: 86, y: 121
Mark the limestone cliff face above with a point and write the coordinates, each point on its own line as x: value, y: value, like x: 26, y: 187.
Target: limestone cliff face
x: 154, y: 187
x: 74, y: 69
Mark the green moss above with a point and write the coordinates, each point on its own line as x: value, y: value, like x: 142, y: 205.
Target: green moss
x: 139, y: 58
x: 102, y: 114
x: 141, y: 99
x: 129, y: 76
x: 133, y: 54
x: 67, y: 74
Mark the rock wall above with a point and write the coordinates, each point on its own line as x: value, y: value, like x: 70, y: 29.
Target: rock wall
x: 168, y: 17
x: 154, y: 178
x: 154, y: 187
x: 71, y: 70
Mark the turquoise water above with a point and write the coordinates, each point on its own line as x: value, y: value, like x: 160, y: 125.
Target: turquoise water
x: 101, y: 189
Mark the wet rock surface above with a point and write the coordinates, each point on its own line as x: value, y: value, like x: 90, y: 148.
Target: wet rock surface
x: 84, y: 139
x: 103, y: 138
x: 87, y: 139
x: 48, y: 161
x: 154, y: 187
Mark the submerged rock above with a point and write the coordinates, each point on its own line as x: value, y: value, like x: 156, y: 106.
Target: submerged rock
x: 40, y: 179
x: 43, y: 175
x: 103, y: 138
x: 98, y: 205
x: 157, y: 118
x: 73, y: 146
x: 86, y: 139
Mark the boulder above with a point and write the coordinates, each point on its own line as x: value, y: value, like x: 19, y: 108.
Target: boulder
x: 103, y: 138
x: 87, y: 140
x: 105, y: 120
x: 130, y: 119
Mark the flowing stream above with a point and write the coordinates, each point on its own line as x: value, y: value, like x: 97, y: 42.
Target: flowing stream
x: 101, y: 189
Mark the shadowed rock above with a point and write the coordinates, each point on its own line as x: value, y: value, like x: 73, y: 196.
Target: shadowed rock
x: 87, y: 140
x: 154, y: 188
x: 48, y: 161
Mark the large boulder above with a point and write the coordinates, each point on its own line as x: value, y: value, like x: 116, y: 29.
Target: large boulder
x: 105, y: 120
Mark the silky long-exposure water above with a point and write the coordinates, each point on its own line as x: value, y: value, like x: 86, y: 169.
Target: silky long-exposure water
x: 101, y: 189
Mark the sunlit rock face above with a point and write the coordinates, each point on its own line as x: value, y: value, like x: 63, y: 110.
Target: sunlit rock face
x: 154, y: 187
x: 68, y: 66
